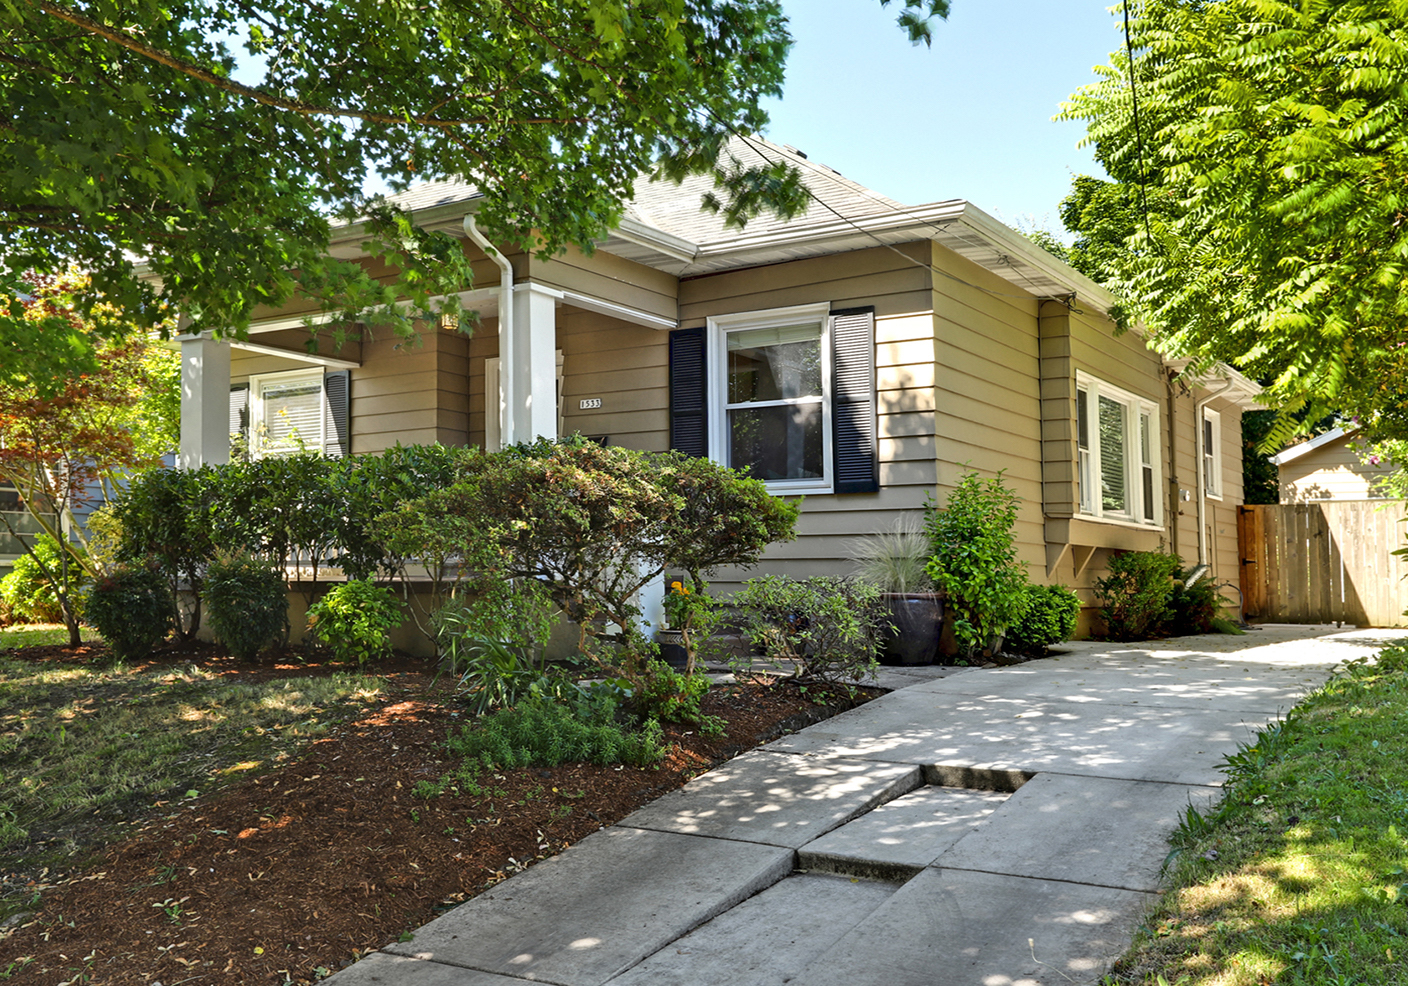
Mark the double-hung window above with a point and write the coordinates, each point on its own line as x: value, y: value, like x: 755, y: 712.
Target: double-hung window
x: 787, y: 394
x: 773, y: 396
x: 286, y: 413
x: 1212, y: 453
x: 279, y: 414
x: 1117, y: 446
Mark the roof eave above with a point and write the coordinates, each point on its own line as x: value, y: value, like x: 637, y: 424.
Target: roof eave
x: 1243, y: 392
x: 1319, y: 441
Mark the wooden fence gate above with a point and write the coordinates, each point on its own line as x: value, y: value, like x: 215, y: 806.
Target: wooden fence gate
x: 1324, y: 562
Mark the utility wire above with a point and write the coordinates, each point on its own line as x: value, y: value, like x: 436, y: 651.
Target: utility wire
x: 1138, y: 133
x: 761, y: 152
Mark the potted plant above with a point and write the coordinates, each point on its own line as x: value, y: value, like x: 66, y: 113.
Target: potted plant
x: 671, y: 639
x: 895, y: 562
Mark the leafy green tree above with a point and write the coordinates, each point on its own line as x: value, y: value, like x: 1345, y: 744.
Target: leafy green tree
x: 1103, y: 215
x: 139, y: 152
x: 1271, y: 150
x: 65, y: 447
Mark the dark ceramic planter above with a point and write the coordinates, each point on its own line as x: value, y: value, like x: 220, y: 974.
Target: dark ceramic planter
x: 918, y: 618
x: 672, y: 652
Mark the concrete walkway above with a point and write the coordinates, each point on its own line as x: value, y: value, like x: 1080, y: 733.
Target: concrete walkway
x: 1000, y: 827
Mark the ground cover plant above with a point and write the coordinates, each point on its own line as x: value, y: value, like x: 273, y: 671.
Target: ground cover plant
x: 1301, y: 875
x: 82, y: 741
x: 308, y: 843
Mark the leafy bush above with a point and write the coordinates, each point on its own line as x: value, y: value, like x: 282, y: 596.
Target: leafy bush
x: 1136, y: 593
x: 974, y: 561
x: 167, y: 517
x: 489, y: 640
x: 543, y: 732
x: 104, y: 538
x: 248, y: 604
x: 1052, y: 612
x: 131, y: 608
x: 667, y: 694
x: 29, y: 591
x: 324, y: 510
x: 1192, y: 608
x: 830, y: 627
x: 595, y: 524
x: 355, y: 620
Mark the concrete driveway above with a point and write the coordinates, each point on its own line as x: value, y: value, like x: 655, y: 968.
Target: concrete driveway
x: 998, y: 827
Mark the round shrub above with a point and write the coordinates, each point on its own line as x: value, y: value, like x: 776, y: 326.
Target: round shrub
x: 246, y: 603
x: 1137, y: 593
x: 131, y: 608
x: 355, y: 620
x: 31, y: 595
x: 1052, y: 611
x: 1192, y: 608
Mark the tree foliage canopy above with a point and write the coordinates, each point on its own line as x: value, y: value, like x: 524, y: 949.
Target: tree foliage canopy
x: 136, y: 144
x: 1273, y: 150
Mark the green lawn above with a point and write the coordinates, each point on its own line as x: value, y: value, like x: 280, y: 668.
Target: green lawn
x: 40, y: 635
x: 84, y: 749
x: 1301, y: 876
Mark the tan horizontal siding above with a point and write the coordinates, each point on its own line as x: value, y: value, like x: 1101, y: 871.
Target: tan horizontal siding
x: 244, y: 366
x: 609, y: 278
x: 907, y: 425
x: 625, y: 365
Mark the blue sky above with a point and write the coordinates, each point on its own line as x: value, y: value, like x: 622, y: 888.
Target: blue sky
x: 968, y: 118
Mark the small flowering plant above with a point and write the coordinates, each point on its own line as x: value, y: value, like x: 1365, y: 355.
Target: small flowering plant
x: 679, y: 605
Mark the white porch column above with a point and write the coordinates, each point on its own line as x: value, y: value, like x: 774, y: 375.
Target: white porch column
x: 205, y: 402
x: 534, y: 369
x: 652, y: 605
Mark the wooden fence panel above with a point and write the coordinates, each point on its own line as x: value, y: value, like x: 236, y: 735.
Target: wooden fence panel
x: 1324, y: 562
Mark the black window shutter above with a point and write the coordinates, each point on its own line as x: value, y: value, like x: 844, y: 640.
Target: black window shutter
x: 689, y: 428
x: 239, y: 409
x: 855, y: 448
x: 336, y: 401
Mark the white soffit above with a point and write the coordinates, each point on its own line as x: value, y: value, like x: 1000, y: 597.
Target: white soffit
x: 1243, y: 391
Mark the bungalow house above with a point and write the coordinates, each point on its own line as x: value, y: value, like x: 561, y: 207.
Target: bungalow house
x: 863, y: 355
x: 1330, y: 466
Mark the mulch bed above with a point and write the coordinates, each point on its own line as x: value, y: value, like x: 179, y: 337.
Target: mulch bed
x: 290, y: 876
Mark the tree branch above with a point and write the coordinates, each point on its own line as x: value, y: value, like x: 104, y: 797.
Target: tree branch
x: 298, y: 106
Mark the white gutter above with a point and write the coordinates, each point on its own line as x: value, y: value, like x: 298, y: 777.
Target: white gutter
x: 506, y: 354
x: 1202, y: 484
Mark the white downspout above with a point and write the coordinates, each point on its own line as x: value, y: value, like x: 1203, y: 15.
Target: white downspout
x: 507, y: 397
x: 1201, y: 458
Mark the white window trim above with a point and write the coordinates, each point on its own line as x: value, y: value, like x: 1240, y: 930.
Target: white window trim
x: 717, y: 355
x: 257, y: 382
x: 1212, y: 478
x: 1137, y: 407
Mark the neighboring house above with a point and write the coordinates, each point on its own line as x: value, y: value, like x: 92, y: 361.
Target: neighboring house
x: 1328, y: 467
x: 18, y: 520
x: 864, y: 355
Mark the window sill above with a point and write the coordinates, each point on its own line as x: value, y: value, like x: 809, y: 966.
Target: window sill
x: 795, y: 490
x: 1103, y: 532
x: 1117, y: 522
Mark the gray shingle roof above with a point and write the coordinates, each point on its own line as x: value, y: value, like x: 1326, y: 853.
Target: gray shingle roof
x: 677, y: 209
x: 432, y: 193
